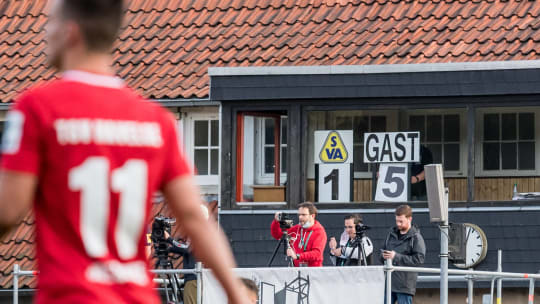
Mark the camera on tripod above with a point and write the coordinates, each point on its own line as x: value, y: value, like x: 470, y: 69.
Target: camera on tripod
x: 159, y: 226
x: 361, y: 229
x: 284, y: 221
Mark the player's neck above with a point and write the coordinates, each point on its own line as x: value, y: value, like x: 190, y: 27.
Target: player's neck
x: 93, y: 62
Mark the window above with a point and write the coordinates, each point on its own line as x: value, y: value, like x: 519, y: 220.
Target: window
x: 206, y: 146
x: 360, y: 124
x: 508, y: 141
x: 261, y: 157
x: 201, y: 132
x: 266, y: 163
x: 440, y: 133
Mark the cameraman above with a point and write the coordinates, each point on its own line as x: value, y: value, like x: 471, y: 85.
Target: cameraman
x: 188, y: 262
x: 348, y: 251
x: 308, y: 237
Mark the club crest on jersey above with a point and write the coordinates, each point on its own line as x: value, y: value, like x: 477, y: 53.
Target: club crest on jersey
x: 11, y: 141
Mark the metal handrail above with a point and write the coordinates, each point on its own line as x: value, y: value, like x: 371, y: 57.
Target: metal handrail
x: 17, y: 272
x: 457, y: 275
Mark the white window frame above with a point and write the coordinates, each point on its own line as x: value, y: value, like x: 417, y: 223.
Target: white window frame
x: 262, y: 178
x: 463, y: 159
x: 480, y: 172
x: 189, y: 129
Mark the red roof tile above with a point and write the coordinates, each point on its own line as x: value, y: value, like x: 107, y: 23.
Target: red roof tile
x: 165, y: 47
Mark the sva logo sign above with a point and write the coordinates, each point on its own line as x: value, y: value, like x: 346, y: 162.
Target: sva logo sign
x: 333, y: 150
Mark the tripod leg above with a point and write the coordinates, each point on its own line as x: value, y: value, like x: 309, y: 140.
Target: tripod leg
x: 274, y: 254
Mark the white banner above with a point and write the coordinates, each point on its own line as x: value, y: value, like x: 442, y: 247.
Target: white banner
x: 319, y: 285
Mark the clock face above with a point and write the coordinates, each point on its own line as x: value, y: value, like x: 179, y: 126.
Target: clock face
x: 476, y: 246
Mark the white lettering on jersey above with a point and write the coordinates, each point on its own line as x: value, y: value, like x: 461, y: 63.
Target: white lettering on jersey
x: 108, y: 132
x: 114, y: 272
x: 11, y: 141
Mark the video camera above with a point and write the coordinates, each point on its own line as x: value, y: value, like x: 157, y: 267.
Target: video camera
x: 159, y: 226
x: 360, y: 229
x: 284, y: 221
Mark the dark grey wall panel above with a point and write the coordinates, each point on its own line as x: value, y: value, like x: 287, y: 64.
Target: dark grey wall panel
x: 515, y: 232
x: 453, y: 83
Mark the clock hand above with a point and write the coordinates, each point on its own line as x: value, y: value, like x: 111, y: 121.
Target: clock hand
x: 468, y: 233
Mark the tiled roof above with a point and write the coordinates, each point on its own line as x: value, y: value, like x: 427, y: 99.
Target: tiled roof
x: 165, y: 47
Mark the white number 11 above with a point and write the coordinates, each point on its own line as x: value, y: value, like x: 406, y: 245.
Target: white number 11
x: 130, y: 181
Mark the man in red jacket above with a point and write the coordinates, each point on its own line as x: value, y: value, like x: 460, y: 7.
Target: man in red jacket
x: 308, y: 237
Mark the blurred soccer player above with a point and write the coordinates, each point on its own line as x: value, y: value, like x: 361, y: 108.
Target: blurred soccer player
x: 88, y: 153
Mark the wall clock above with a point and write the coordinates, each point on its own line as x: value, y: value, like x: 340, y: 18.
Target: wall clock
x: 476, y: 242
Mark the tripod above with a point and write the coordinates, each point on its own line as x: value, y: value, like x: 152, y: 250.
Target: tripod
x: 285, y: 238
x: 171, y: 280
x: 359, y: 247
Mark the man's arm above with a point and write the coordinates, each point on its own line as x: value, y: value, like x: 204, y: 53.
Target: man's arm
x: 275, y: 230
x: 16, y: 197
x: 208, y: 244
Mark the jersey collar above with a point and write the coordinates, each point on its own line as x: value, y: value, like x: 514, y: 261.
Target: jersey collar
x: 93, y: 79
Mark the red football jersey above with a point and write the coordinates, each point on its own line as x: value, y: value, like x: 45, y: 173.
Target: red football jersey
x: 99, y: 151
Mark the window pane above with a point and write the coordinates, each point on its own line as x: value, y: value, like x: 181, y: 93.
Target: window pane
x: 526, y: 156
x: 214, y: 161
x: 491, y: 156
x: 416, y: 123
x: 451, y: 156
x: 201, y: 133
x: 436, y: 151
x: 491, y: 127
x: 343, y: 123
x: 509, y: 155
x: 214, y: 132
x: 269, y: 160
x: 269, y: 131
x: 451, y: 128
x: 378, y: 123
x: 509, y: 128
x: 434, y: 128
x: 284, y: 131
x: 201, y: 161
x: 283, y: 159
x: 361, y: 126
x: 526, y: 126
x: 359, y: 165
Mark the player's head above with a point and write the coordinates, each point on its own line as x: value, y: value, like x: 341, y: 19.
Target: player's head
x: 253, y: 290
x: 88, y: 25
x: 403, y: 218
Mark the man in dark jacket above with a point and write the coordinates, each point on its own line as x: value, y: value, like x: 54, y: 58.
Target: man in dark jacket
x: 405, y: 246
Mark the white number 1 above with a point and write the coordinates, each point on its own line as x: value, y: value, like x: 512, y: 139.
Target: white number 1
x: 130, y: 181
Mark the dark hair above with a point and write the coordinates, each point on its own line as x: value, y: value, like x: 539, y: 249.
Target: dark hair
x: 356, y: 217
x: 309, y: 206
x: 99, y: 20
x: 251, y: 286
x: 404, y: 210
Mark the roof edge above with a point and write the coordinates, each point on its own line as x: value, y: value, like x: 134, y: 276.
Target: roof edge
x: 188, y: 102
x: 375, y: 69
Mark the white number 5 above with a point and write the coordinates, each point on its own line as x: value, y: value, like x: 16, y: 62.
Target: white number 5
x: 130, y: 181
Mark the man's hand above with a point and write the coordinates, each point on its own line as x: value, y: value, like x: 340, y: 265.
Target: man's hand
x: 291, y: 253
x: 276, y: 216
x: 333, y: 243
x: 388, y: 254
x: 166, y: 234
